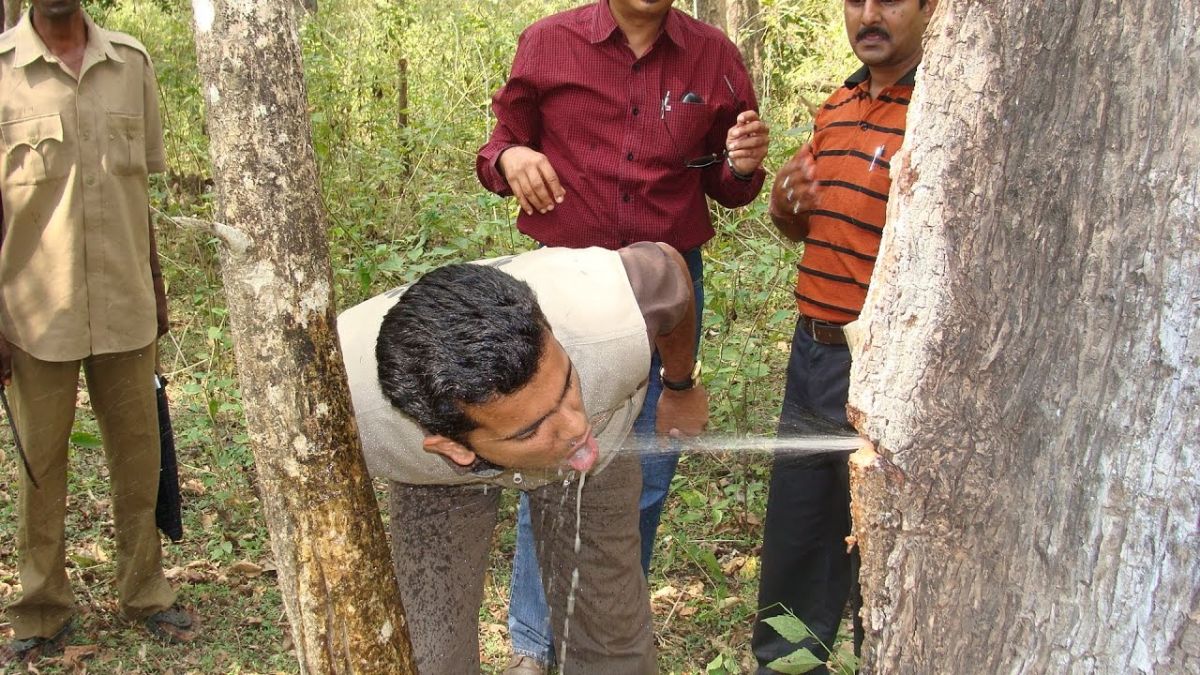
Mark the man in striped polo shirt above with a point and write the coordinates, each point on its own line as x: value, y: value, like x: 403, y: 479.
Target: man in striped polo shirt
x: 832, y: 195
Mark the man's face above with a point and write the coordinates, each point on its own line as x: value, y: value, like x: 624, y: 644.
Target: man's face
x: 887, y: 33
x: 55, y: 9
x: 541, y: 425
x: 641, y: 9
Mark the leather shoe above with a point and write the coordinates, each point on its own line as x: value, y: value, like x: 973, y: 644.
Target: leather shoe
x: 521, y: 664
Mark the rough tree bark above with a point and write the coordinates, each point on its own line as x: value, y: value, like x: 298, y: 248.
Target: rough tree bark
x: 335, y: 569
x: 1031, y: 371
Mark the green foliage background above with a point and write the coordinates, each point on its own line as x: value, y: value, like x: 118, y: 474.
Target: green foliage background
x: 402, y: 200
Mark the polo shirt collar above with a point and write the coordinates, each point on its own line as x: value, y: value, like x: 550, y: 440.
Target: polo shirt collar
x: 863, y: 74
x: 604, y: 25
x: 29, y: 46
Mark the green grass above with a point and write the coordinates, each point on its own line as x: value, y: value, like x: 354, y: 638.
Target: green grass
x: 402, y: 201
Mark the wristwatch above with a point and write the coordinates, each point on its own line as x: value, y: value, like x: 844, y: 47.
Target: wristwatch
x: 681, y: 385
x: 738, y: 174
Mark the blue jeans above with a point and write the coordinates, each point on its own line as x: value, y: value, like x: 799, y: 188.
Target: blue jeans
x: 528, y: 623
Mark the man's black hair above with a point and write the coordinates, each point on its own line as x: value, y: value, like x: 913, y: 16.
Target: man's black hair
x: 462, y: 334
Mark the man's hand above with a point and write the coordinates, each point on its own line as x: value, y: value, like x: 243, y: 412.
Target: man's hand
x: 5, y: 361
x: 795, y: 193
x: 682, y: 414
x: 532, y: 179
x: 747, y: 142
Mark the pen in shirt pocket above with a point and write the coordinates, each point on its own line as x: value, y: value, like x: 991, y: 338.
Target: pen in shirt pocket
x: 875, y: 158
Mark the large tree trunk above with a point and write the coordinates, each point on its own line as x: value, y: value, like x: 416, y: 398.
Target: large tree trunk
x: 335, y: 569
x: 1032, y: 359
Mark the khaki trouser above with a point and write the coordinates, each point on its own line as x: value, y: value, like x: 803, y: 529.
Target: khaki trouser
x: 42, y: 395
x: 441, y: 537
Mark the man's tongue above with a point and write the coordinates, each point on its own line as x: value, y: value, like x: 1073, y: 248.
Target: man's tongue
x: 585, y: 455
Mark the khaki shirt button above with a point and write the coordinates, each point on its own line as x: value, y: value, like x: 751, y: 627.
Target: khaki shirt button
x: 90, y: 180
x: 85, y: 135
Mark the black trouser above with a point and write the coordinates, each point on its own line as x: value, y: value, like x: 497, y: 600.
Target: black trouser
x: 805, y: 566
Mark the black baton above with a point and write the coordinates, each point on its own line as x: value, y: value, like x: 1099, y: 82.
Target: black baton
x: 17, y: 438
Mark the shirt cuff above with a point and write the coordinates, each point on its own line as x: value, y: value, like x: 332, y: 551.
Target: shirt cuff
x: 744, y: 177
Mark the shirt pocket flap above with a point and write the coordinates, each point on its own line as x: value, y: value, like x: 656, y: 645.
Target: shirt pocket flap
x: 32, y: 131
x: 126, y: 125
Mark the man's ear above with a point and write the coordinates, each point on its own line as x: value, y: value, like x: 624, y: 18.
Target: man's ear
x: 450, y: 449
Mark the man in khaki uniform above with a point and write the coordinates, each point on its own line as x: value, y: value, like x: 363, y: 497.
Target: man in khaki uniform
x: 80, y: 284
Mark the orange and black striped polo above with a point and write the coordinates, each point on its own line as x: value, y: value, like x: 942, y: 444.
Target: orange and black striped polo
x: 854, y: 140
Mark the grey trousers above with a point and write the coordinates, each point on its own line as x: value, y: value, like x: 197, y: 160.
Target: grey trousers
x: 441, y: 536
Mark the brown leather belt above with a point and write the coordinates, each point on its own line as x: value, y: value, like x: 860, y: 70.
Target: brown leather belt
x: 822, y: 331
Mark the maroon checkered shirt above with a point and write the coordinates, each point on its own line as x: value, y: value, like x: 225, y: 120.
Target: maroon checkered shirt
x: 617, y: 131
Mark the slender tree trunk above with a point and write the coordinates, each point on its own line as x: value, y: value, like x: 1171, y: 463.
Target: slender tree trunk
x: 10, y: 13
x: 1031, y: 370
x: 710, y: 12
x: 744, y: 25
x: 406, y: 169
x: 335, y: 569
x: 741, y: 20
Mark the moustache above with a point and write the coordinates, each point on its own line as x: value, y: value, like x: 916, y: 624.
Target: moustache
x: 872, y: 30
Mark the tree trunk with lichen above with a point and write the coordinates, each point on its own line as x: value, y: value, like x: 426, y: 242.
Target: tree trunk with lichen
x: 1030, y: 374
x: 335, y: 570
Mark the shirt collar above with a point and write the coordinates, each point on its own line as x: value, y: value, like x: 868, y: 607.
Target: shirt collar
x: 863, y: 74
x: 30, y: 48
x: 604, y: 25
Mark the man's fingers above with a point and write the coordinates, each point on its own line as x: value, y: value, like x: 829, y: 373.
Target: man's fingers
x: 540, y: 195
x: 550, y: 180
x: 532, y: 179
x: 747, y: 117
x: 518, y: 190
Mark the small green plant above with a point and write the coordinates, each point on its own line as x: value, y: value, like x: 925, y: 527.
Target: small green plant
x: 802, y: 660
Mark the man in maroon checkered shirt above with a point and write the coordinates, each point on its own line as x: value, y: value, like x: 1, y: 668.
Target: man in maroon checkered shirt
x: 618, y: 119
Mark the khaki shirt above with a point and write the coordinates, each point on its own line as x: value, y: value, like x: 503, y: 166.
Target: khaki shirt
x: 74, y: 159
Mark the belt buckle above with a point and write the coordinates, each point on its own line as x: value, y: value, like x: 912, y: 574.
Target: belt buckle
x: 824, y: 332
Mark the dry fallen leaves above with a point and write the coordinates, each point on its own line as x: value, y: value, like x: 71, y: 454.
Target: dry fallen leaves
x: 193, y: 487
x: 246, y: 569
x: 73, y: 656
x: 665, y: 593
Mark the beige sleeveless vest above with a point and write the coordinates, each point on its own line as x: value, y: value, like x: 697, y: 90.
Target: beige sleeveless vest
x: 586, y: 297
